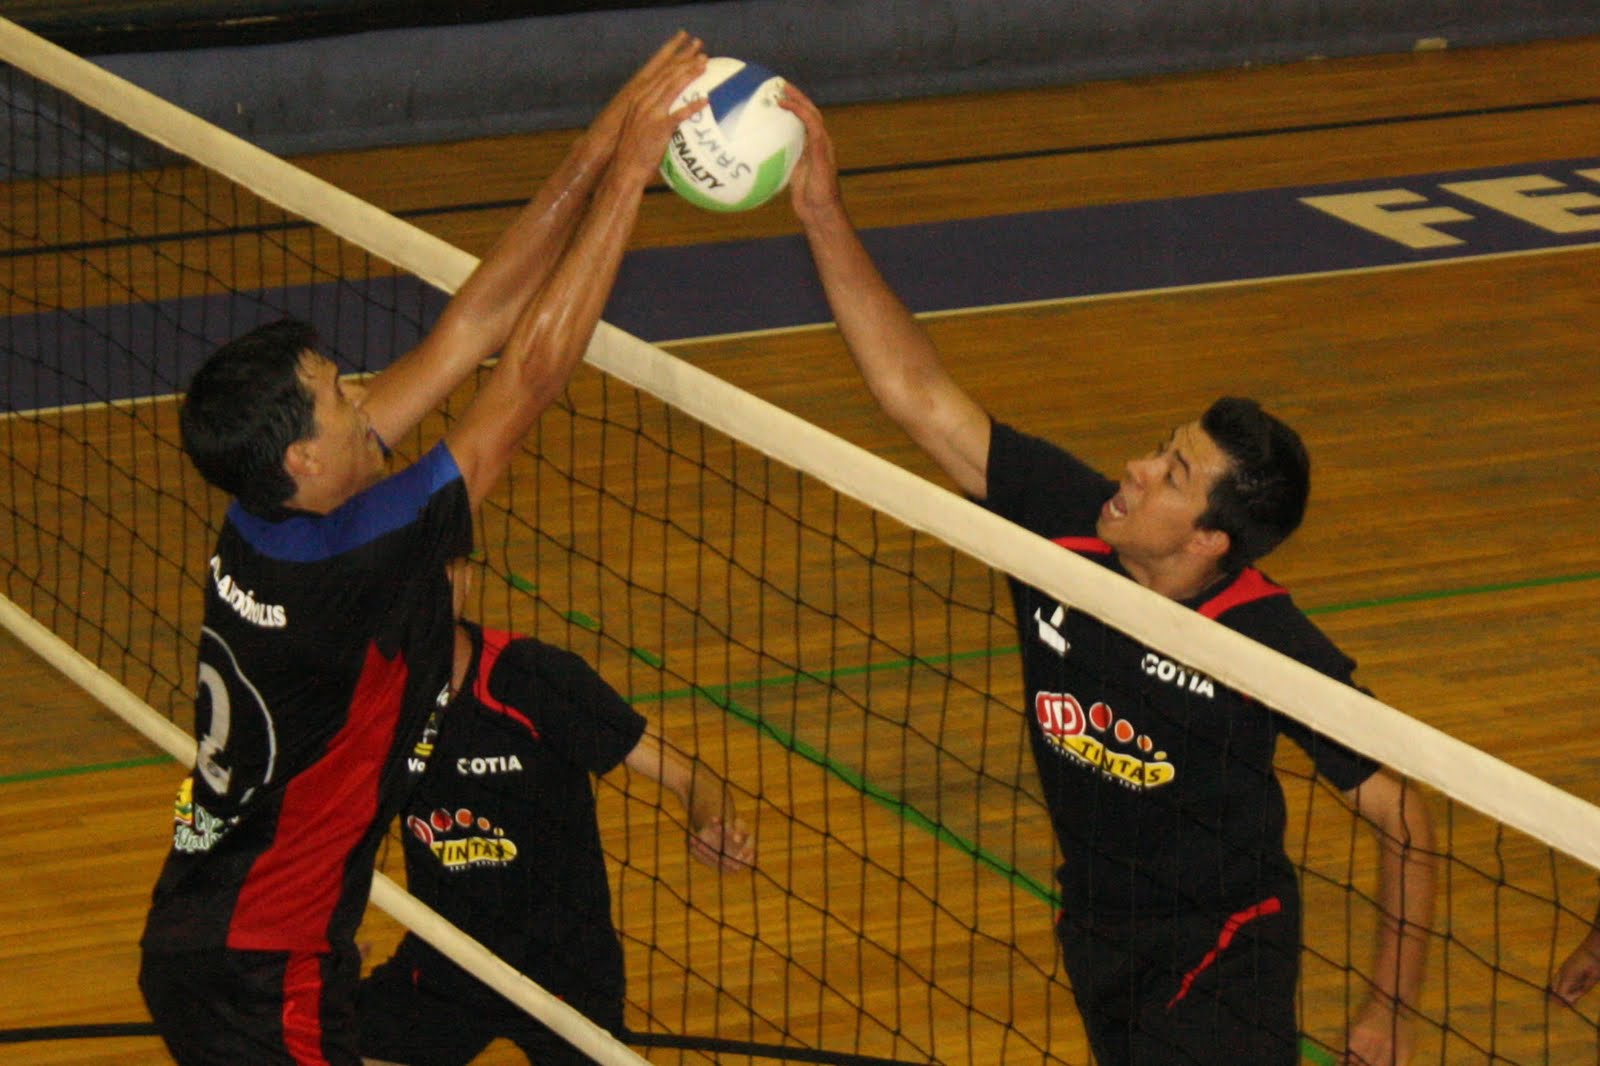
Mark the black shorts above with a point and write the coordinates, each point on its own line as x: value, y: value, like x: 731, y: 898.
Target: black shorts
x: 405, y: 1018
x: 221, y: 1007
x: 1188, y: 990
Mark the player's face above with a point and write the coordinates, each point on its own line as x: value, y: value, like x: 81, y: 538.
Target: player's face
x: 349, y: 456
x: 1153, y: 515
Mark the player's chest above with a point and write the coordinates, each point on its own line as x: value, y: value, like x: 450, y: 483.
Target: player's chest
x: 1103, y: 702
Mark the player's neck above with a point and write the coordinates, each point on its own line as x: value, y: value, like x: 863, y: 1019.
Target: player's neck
x: 1181, y: 578
x: 311, y: 495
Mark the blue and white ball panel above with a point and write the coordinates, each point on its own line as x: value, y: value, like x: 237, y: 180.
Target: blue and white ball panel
x: 729, y: 99
x: 738, y: 151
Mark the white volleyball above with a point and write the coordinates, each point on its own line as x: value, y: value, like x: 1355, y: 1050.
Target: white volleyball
x: 738, y: 151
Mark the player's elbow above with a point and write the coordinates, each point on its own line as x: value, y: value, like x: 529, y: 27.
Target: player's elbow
x: 906, y: 398
x: 548, y: 342
x: 1407, y: 823
x: 1397, y: 809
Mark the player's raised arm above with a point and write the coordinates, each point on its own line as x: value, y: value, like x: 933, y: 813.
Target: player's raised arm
x: 895, y: 355
x: 478, y: 320
x: 717, y: 835
x: 551, y: 334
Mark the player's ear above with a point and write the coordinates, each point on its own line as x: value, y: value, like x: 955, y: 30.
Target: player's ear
x: 300, y: 459
x: 1211, y: 544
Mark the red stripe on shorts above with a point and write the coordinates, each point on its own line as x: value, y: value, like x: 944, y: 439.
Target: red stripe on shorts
x: 1229, y: 929
x: 302, y: 1008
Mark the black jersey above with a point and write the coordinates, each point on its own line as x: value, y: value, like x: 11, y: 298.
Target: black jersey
x: 1159, y: 781
x: 326, y: 641
x: 500, y: 831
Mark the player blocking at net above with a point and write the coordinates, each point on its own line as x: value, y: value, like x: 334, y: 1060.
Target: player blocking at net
x: 328, y: 618
x: 1180, y: 922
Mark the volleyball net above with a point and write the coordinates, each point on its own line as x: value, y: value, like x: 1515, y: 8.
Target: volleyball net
x: 828, y: 633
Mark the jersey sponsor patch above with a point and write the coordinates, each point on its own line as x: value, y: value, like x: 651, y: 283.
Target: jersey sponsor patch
x: 1165, y: 670
x: 474, y: 851
x: 1099, y: 740
x: 194, y: 829
x: 483, y: 765
x: 461, y: 839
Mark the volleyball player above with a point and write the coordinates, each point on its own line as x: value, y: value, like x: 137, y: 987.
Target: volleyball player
x: 1180, y: 920
x: 327, y: 623
x: 501, y: 838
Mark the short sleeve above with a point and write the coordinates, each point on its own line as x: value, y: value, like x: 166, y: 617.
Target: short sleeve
x: 1041, y: 486
x: 574, y: 710
x: 1282, y: 627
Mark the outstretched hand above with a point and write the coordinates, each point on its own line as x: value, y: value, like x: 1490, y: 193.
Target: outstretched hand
x: 814, y: 185
x: 606, y: 129
x: 649, y: 116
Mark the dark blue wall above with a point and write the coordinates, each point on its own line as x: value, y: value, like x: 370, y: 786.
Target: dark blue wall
x: 451, y: 82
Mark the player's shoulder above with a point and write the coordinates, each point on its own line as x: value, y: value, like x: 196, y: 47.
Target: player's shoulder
x: 524, y: 649
x: 397, y: 501
x: 1260, y: 608
x: 1010, y: 445
x: 1041, y: 484
x: 519, y: 662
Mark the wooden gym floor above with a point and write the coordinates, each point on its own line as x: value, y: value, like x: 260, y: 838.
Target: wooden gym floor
x: 1451, y: 410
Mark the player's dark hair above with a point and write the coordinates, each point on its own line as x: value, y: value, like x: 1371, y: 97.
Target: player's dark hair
x: 1262, y: 497
x: 245, y: 406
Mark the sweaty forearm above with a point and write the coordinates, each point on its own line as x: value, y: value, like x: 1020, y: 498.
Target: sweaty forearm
x: 478, y: 320
x: 548, y: 340
x: 560, y: 321
x: 521, y: 260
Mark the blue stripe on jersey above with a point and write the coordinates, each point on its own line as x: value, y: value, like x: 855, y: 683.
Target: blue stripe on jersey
x: 732, y: 94
x: 384, y: 508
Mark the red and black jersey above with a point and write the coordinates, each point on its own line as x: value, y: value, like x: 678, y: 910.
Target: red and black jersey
x: 1159, y: 780
x: 326, y: 640
x: 500, y: 831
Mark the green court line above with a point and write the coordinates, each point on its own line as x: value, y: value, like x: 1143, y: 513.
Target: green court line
x: 720, y: 696
x: 1310, y: 1051
x: 878, y: 795
x: 1316, y: 1053
x: 1012, y: 649
x: 1451, y: 594
x: 578, y: 618
x: 69, y: 771
x: 822, y: 678
x: 581, y: 619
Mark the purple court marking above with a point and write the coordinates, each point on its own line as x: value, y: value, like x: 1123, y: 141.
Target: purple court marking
x: 100, y: 354
x: 740, y: 286
x: 705, y: 290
